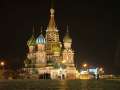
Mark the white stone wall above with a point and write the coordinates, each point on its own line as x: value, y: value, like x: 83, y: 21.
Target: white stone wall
x: 68, y: 56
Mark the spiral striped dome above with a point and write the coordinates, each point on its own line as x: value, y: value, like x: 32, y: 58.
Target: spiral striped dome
x: 40, y: 39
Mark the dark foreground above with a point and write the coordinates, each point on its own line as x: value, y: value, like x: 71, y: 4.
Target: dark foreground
x: 59, y: 85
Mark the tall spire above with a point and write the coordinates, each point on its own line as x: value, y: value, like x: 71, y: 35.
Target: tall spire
x: 33, y: 30
x: 41, y: 29
x: 40, y: 39
x: 67, y: 29
x: 31, y: 41
x: 67, y: 37
x: 52, y: 25
x: 52, y: 3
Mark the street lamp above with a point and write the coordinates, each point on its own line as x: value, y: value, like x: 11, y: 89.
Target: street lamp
x: 2, y: 63
x: 85, y: 65
x: 2, y: 67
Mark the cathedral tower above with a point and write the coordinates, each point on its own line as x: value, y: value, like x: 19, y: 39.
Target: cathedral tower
x: 31, y: 46
x: 68, y: 54
x: 31, y: 55
x: 47, y: 56
x: 40, y: 50
x: 53, y: 44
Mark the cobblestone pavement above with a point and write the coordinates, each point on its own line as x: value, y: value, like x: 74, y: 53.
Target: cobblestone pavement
x: 59, y: 84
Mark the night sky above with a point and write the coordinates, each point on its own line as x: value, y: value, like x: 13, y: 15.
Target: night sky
x: 94, y: 26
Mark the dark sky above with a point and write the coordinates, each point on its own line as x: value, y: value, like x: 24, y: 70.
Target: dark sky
x: 94, y: 26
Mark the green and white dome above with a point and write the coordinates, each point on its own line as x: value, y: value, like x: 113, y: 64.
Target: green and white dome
x: 31, y: 41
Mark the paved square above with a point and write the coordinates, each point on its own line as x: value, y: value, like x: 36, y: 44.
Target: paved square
x: 60, y: 85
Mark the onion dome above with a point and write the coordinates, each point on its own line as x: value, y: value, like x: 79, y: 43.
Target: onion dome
x: 40, y: 39
x: 67, y: 37
x: 31, y: 41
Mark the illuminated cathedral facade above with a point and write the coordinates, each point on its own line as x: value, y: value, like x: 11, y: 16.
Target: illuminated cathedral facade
x: 47, y: 54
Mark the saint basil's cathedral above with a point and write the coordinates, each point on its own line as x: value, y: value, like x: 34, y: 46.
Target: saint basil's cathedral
x: 48, y: 55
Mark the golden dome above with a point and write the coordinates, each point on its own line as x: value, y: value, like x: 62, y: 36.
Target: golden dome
x: 67, y: 38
